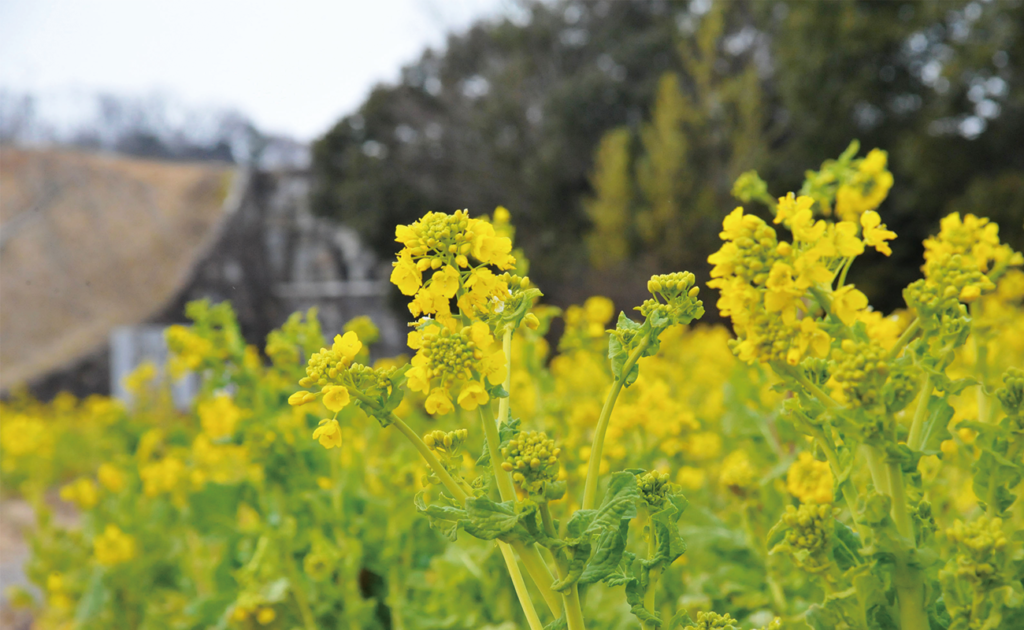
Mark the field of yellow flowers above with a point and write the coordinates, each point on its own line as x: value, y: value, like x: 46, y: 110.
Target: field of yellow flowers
x: 821, y: 465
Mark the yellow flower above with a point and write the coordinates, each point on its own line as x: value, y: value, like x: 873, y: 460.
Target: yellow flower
x: 81, y: 492
x: 847, y: 302
x: 219, y: 416
x: 472, y: 396
x: 691, y: 478
x: 336, y: 397
x: 347, y: 347
x: 875, y: 234
x: 301, y: 398
x: 161, y: 477
x: 266, y: 616
x: 844, y: 236
x: 438, y: 403
x: 111, y: 477
x: 328, y: 433
x: 790, y: 205
x: 405, y: 275
x: 445, y: 282
x: 810, y: 480
x: 113, y: 546
x: 737, y: 473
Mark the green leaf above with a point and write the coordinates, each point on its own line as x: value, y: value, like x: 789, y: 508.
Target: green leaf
x: 577, y: 561
x: 935, y: 427
x: 444, y: 519
x: 91, y: 603
x: 619, y: 502
x: 607, y: 555
x: 488, y: 520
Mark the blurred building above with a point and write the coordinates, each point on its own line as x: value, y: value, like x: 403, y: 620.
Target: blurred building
x: 99, y: 252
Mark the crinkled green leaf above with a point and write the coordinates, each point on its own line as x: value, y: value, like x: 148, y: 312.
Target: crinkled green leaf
x: 607, y: 554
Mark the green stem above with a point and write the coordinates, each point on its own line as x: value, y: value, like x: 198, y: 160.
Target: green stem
x: 520, y: 585
x: 875, y: 465
x: 900, y: 509
x: 594, y: 466
x: 540, y: 573
x: 917, y: 426
x: 431, y: 459
x: 906, y: 337
x: 571, y: 597
x: 842, y: 274
x: 535, y: 565
x: 801, y: 378
x: 650, y: 595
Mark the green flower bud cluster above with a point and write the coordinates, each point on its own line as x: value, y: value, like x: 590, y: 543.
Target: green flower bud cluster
x: 816, y: 370
x: 861, y: 368
x: 979, y: 545
x: 774, y: 337
x: 1011, y: 394
x: 959, y: 278
x: 371, y: 381
x: 681, y: 305
x: 713, y: 621
x: 452, y: 355
x: 446, y: 444
x: 940, y: 311
x: 532, y: 458
x: 756, y: 251
x: 654, y: 487
x: 442, y: 233
x: 901, y: 388
x: 750, y: 187
x: 323, y: 368
x: 319, y: 564
x: 810, y: 526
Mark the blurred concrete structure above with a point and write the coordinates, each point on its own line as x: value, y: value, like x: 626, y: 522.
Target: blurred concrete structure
x: 93, y: 246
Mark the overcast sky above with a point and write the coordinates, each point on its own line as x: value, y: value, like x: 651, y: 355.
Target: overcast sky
x: 293, y: 67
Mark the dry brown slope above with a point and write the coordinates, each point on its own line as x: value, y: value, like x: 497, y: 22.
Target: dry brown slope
x: 89, y: 242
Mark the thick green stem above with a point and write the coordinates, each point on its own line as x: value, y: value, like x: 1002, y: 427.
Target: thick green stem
x: 905, y: 338
x: 900, y: 509
x: 594, y: 466
x: 520, y: 585
x: 571, y: 597
x: 650, y: 595
x: 917, y: 426
x: 540, y: 573
x: 879, y: 476
x: 431, y: 459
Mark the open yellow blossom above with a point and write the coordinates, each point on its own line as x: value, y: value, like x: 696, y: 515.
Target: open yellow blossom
x: 847, y: 303
x: 875, y: 233
x: 810, y: 480
x: 336, y: 397
x: 328, y: 433
x: 472, y: 396
x: 405, y: 275
x: 438, y: 403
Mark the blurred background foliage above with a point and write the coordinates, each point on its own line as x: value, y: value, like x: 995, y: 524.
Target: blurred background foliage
x: 613, y: 130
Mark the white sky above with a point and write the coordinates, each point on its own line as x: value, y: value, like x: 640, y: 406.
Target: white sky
x: 294, y: 67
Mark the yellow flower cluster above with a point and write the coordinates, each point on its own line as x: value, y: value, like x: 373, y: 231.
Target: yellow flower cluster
x: 866, y: 188
x: 967, y: 255
x: 82, y: 492
x: 773, y: 289
x: 810, y: 480
x: 219, y: 416
x: 113, y: 546
x: 328, y: 369
x: 450, y: 364
x: 445, y: 245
